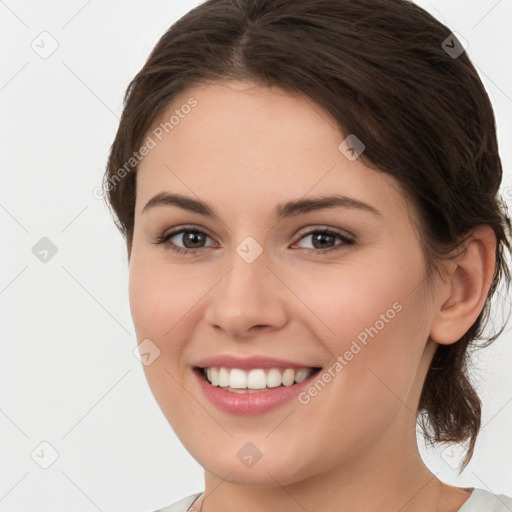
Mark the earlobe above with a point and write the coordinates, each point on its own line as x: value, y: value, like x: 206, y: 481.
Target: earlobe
x: 468, y: 286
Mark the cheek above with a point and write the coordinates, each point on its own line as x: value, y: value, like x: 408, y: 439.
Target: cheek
x: 377, y: 321
x: 161, y: 296
x: 359, y: 299
x: 164, y: 302
x: 161, y: 304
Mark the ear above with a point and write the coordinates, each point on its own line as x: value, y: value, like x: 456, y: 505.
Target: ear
x: 462, y: 296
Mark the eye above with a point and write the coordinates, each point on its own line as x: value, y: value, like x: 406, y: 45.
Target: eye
x: 191, y: 238
x: 194, y: 239
x: 321, y: 238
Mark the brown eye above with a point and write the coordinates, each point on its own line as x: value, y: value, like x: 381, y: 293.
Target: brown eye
x: 323, y: 239
x: 192, y: 240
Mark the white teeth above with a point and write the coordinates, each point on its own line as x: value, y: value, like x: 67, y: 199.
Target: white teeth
x: 214, y: 376
x: 237, y: 379
x: 223, y: 377
x: 255, y: 379
x: 273, y: 378
x: 288, y: 377
x: 301, y: 375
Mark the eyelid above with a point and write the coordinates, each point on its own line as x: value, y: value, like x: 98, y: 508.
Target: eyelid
x: 305, y: 231
x: 322, y: 227
x: 347, y: 239
x: 178, y: 230
x: 186, y: 227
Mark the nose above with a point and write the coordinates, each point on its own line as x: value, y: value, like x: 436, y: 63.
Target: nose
x: 249, y: 298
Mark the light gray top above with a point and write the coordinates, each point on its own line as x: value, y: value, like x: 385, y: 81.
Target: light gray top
x: 480, y: 500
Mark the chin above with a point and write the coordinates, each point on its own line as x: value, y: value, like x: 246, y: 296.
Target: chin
x: 268, y: 471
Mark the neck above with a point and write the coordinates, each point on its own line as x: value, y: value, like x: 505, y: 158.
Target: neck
x: 387, y: 475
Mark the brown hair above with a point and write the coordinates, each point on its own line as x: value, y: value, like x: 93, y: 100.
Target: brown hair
x: 380, y: 68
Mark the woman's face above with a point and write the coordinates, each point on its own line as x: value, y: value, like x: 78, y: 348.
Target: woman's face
x: 255, y: 283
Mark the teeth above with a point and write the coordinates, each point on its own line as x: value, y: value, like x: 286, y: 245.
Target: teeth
x: 257, y: 378
x: 302, y: 374
x: 273, y: 378
x: 214, y: 376
x: 237, y: 379
x: 223, y: 377
x: 288, y: 377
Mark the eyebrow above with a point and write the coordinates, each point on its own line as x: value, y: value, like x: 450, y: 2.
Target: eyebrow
x: 281, y: 211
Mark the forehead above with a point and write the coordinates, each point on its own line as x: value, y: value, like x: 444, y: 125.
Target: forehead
x: 253, y: 147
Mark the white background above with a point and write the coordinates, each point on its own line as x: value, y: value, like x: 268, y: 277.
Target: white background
x: 68, y: 375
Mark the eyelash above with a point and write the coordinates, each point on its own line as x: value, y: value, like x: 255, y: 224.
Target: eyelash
x: 164, y: 239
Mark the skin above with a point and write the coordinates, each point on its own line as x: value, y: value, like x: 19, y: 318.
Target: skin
x: 244, y: 149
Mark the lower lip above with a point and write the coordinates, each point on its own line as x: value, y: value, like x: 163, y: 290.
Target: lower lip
x: 250, y: 403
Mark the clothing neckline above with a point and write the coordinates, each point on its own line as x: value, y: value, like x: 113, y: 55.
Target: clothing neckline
x: 470, y: 499
x: 464, y: 508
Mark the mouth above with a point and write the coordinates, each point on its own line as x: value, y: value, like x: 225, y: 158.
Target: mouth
x: 255, y: 380
x: 259, y: 384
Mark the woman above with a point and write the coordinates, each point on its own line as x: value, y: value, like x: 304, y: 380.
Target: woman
x: 309, y: 195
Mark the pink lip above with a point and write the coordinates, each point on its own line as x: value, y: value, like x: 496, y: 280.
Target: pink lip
x: 248, y: 363
x: 250, y: 403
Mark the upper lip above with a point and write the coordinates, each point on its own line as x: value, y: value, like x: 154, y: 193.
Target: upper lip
x: 247, y: 363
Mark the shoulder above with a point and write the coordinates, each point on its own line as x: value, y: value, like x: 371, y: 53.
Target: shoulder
x: 481, y: 499
x: 182, y: 505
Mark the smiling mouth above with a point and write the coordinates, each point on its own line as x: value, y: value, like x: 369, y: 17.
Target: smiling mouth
x: 256, y: 380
